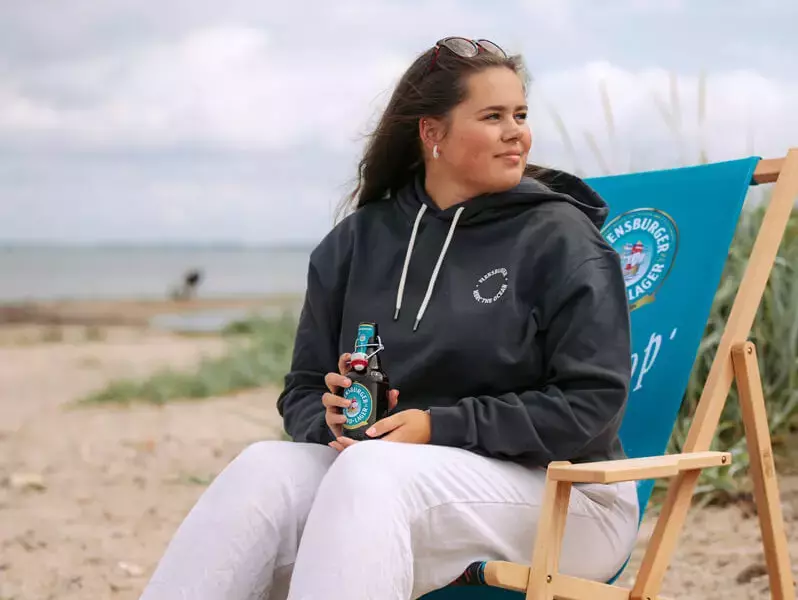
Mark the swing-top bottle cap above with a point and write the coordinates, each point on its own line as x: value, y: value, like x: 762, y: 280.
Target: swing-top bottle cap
x: 359, y: 361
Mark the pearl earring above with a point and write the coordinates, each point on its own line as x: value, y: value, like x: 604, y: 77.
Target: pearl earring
x: 435, y: 153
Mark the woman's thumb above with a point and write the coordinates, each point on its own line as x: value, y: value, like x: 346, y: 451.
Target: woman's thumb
x: 393, y: 399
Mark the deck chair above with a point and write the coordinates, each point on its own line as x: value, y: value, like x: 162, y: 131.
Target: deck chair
x: 673, y: 229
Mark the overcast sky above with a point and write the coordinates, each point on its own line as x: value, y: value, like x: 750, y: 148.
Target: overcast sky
x: 242, y: 120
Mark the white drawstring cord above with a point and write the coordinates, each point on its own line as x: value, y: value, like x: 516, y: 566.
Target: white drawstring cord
x: 434, y: 277
x: 401, y: 292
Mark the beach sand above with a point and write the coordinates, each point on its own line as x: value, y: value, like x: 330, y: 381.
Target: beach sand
x: 91, y: 495
x: 137, y: 313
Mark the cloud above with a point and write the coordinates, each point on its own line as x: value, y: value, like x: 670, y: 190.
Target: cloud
x: 196, y: 119
x: 620, y: 119
x: 225, y: 86
x: 231, y: 87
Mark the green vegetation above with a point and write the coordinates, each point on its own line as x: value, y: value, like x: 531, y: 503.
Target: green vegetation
x: 775, y: 333
x: 259, y: 357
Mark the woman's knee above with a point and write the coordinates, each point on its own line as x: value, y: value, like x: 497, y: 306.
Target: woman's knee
x: 258, y: 453
x: 375, y: 467
x: 269, y: 463
x: 258, y: 458
x: 263, y: 453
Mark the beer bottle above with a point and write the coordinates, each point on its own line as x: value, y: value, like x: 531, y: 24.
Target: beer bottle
x: 369, y: 390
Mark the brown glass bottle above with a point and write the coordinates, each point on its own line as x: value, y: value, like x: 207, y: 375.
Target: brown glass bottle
x: 369, y: 389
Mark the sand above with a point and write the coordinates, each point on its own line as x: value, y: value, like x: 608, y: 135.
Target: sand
x: 127, y: 312
x: 90, y: 496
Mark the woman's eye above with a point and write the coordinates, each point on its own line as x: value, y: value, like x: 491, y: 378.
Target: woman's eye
x: 493, y: 116
x: 521, y: 116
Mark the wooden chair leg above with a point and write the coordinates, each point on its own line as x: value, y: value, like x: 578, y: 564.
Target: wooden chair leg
x: 662, y: 544
x: 763, y: 471
x: 548, y: 543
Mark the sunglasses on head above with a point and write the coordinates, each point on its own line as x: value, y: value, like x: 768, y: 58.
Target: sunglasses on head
x: 465, y: 48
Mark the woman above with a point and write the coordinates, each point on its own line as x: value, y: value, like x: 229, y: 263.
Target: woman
x: 505, y: 323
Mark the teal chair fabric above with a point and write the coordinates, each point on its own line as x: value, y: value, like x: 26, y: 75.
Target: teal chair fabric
x: 672, y: 229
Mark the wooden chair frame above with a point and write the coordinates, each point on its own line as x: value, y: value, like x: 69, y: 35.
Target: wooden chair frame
x: 736, y: 360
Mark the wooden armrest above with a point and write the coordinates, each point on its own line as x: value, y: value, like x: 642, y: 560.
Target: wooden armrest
x: 630, y: 469
x: 515, y: 577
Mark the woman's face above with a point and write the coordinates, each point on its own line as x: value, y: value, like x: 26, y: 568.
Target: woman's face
x: 488, y: 138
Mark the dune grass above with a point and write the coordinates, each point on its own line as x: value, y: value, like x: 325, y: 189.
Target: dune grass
x: 775, y: 333
x: 259, y: 354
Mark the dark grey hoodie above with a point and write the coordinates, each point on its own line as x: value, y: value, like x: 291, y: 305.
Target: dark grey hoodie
x: 506, y: 315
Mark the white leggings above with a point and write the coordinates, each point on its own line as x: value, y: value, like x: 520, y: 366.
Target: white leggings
x: 381, y: 520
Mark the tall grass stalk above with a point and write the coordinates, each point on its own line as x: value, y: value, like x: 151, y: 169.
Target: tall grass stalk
x: 594, y: 147
x: 703, y: 156
x: 609, y: 120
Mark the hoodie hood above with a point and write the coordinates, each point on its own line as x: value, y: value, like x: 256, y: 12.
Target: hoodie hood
x: 527, y: 195
x: 549, y: 186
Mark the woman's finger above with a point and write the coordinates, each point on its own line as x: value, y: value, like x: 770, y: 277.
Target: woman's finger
x: 329, y: 400
x: 386, y: 425
x: 346, y: 442
x: 336, y: 429
x: 343, y: 363
x: 341, y: 443
x: 335, y: 418
x: 334, y: 381
x: 393, y: 399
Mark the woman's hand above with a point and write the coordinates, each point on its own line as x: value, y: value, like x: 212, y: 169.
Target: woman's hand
x: 334, y: 403
x: 412, y: 426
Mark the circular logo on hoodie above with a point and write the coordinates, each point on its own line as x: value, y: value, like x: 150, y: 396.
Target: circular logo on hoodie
x: 646, y: 239
x: 491, y: 286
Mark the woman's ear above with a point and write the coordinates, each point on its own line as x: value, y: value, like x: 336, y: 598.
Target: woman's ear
x: 430, y: 131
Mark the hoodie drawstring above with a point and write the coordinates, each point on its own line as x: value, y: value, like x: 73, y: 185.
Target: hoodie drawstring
x: 433, y: 278
x: 401, y: 292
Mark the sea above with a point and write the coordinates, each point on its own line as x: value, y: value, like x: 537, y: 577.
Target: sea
x: 43, y: 273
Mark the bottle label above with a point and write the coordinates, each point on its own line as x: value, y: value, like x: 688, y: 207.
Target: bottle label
x: 362, y: 405
x: 364, y: 333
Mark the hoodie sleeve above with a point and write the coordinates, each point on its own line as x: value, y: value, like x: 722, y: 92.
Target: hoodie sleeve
x: 577, y: 410
x: 315, y: 347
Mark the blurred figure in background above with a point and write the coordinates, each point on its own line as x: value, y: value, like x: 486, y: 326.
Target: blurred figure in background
x: 189, y: 286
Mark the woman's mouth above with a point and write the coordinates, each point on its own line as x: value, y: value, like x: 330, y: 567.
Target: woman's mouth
x: 512, y: 158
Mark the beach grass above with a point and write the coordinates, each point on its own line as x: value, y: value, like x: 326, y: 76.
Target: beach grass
x: 258, y: 354
x: 775, y: 333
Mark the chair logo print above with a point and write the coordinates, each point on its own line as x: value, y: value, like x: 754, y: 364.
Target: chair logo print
x: 646, y: 240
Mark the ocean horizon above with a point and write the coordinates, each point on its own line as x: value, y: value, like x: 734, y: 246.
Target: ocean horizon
x: 127, y: 271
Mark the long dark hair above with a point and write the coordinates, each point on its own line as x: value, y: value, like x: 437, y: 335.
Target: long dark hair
x: 393, y: 154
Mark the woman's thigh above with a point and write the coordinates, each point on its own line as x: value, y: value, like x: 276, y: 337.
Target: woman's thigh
x: 245, y: 525
x: 449, y: 507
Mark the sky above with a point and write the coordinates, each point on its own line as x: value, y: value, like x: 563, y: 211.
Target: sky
x: 242, y: 121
